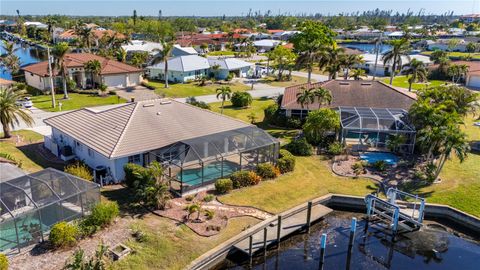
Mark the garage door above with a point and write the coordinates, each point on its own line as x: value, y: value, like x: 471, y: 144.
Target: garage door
x: 115, y: 80
x: 133, y: 79
x: 474, y: 81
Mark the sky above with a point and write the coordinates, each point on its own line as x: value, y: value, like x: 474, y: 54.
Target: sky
x: 228, y: 7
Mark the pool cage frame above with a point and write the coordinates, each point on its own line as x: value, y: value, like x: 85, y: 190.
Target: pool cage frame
x: 383, y: 122
x: 41, y: 199
x: 223, y: 153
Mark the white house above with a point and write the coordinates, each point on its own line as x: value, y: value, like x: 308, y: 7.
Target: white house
x: 266, y: 45
x: 181, y: 69
x: 143, y: 46
x: 112, y: 73
x: 384, y: 70
x: 161, y: 129
x: 239, y: 67
x: 180, y: 51
x: 443, y: 45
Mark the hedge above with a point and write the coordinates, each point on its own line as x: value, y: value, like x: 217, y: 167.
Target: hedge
x: 63, y: 235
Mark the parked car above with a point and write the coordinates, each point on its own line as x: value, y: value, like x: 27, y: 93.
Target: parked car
x: 25, y: 102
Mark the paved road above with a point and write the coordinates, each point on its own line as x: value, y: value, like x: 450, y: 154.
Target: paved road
x: 316, y: 77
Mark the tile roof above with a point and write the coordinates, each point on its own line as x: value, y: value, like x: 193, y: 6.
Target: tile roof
x: 371, y: 94
x: 4, y: 82
x: 96, y: 32
x: 142, y: 126
x: 73, y: 60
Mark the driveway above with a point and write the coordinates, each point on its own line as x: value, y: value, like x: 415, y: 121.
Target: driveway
x: 316, y: 77
x: 137, y: 92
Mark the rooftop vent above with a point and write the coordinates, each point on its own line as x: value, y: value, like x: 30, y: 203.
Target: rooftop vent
x: 148, y: 105
x: 366, y: 84
x: 158, y: 113
x: 344, y: 83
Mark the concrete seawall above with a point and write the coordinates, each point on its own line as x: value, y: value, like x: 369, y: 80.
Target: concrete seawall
x: 336, y: 201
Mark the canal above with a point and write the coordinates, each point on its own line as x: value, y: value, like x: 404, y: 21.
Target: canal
x: 27, y: 54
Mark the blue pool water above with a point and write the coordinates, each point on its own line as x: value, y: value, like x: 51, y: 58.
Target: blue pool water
x: 366, y: 47
x: 372, y: 157
x: 211, y: 172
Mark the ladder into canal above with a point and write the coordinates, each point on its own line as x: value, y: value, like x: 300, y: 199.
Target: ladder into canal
x: 401, y: 212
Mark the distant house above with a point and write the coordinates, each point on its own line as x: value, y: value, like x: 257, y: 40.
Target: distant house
x: 113, y: 73
x: 181, y: 69
x: 38, y: 25
x: 238, y: 67
x: 472, y: 80
x: 443, y: 45
x: 195, y: 146
x: 366, y: 94
x: 181, y: 51
x: 5, y: 83
x: 385, y: 69
x: 98, y: 33
x: 151, y: 48
x: 470, y: 18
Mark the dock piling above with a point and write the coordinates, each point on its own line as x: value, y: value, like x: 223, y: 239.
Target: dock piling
x: 323, y: 245
x: 265, y: 240
x: 279, y: 230
x: 309, y: 216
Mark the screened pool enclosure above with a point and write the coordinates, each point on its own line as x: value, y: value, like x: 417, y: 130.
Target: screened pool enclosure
x: 376, y: 128
x: 30, y: 205
x: 199, y: 161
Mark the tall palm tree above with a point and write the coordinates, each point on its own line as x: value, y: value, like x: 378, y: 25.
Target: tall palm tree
x: 349, y: 61
x: 417, y: 71
x: 329, y: 59
x: 453, y: 141
x: 323, y: 96
x: 166, y: 54
x: 86, y: 37
x: 306, y: 97
x: 394, y: 56
x: 94, y: 67
x: 59, y: 52
x: 9, y: 59
x: 122, y: 55
x: 306, y: 60
x: 224, y: 93
x: 357, y: 74
x: 51, y: 22
x: 10, y: 112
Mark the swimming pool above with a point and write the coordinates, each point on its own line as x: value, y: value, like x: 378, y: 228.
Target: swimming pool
x: 372, y: 157
x: 211, y: 172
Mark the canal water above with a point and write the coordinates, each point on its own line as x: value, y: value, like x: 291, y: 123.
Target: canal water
x: 27, y: 54
x: 433, y: 247
x: 368, y: 48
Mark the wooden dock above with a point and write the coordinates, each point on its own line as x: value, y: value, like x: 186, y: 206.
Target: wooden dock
x: 289, y: 225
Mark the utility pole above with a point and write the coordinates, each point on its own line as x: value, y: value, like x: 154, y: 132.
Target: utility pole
x: 52, y: 88
x: 378, y: 43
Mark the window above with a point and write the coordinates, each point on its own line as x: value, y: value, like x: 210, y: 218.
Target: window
x: 134, y: 159
x: 78, y: 145
x: 90, y: 152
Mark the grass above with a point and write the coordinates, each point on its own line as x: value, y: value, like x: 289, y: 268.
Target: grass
x: 193, y: 89
x: 460, y: 184
x: 402, y: 81
x: 26, y: 154
x: 458, y: 55
x: 75, y: 101
x: 294, y: 81
x: 220, y: 53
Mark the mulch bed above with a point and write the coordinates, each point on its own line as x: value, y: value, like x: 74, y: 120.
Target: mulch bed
x: 204, y: 226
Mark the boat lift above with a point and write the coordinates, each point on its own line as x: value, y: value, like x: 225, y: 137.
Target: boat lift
x: 400, y: 212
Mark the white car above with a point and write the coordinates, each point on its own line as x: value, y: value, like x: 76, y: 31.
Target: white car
x: 25, y: 102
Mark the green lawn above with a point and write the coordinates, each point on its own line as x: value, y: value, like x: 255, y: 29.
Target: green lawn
x: 457, y: 55
x: 220, y: 53
x: 460, y: 186
x: 28, y: 154
x: 75, y: 101
x: 193, y: 89
x: 294, y: 81
x: 402, y: 81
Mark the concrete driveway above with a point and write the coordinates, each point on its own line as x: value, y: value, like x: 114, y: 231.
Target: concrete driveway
x: 137, y: 92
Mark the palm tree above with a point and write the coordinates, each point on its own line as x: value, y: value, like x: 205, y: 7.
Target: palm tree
x: 329, y: 59
x: 306, y: 97
x: 9, y: 59
x: 349, y: 61
x: 453, y: 141
x: 10, y: 112
x: 417, y: 71
x: 306, y: 60
x: 166, y: 53
x: 86, y: 37
x: 51, y: 22
x: 59, y: 52
x: 224, y: 93
x: 323, y: 96
x: 122, y: 55
x: 94, y: 67
x: 357, y: 74
x: 394, y: 56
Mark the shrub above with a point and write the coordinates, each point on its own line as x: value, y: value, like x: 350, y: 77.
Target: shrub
x: 358, y: 168
x: 380, y: 165
x: 223, y: 185
x: 79, y: 169
x: 230, y: 76
x: 267, y: 171
x: 131, y: 173
x: 201, y: 104
x: 299, y: 147
x: 335, y: 148
x: 3, y: 262
x: 241, y: 99
x: 271, y: 112
x: 294, y: 123
x: 244, y: 179
x: 209, y: 214
x: 189, y: 198
x: 286, y: 161
x: 208, y: 198
x: 63, y: 235
x: 103, y: 214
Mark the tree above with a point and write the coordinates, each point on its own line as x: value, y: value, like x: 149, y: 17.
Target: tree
x: 193, y: 208
x: 322, y: 95
x: 252, y: 117
x: 437, y: 55
x: 282, y: 59
x: 319, y: 123
x: 330, y: 60
x: 134, y: 17
x: 453, y: 43
x: 358, y: 74
x: 51, y: 22
x: 121, y: 55
x: 472, y: 47
x: 349, y: 61
x: 9, y: 59
x: 94, y: 67
x: 305, y: 97
x: 312, y: 37
x: 10, y: 112
x: 59, y: 52
x: 417, y: 72
x: 167, y: 49
x: 224, y: 93
x: 457, y: 72
x: 394, y: 56
x: 86, y: 37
